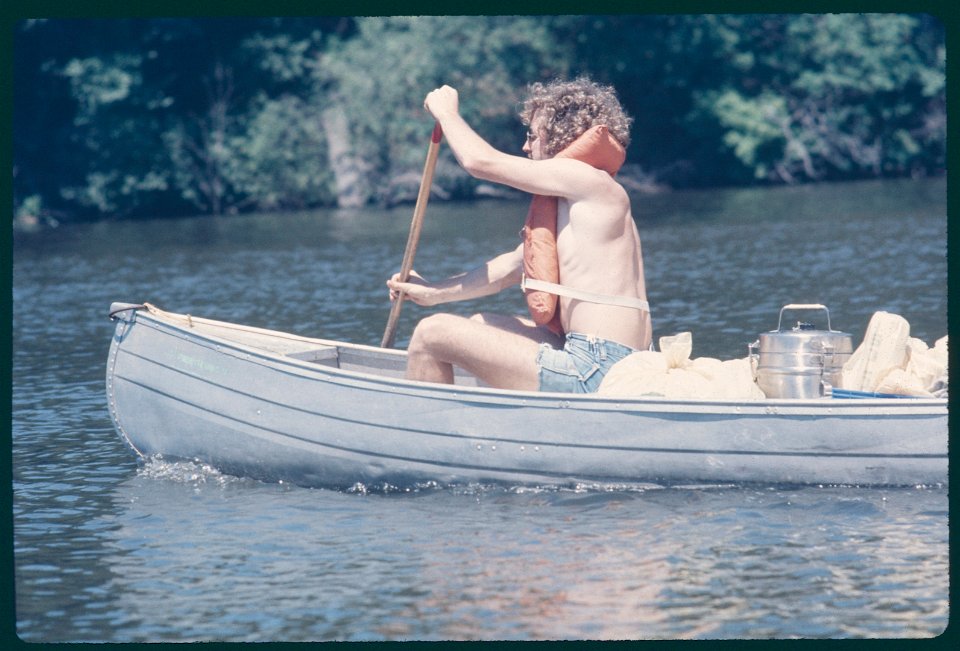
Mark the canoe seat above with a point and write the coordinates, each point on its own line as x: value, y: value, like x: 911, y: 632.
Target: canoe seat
x: 325, y: 356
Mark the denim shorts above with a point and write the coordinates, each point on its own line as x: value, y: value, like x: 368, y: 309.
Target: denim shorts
x: 580, y: 366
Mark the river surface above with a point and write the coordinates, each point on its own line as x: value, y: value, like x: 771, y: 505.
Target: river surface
x: 109, y: 549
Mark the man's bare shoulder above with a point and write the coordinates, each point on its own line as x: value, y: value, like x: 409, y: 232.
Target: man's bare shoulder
x: 592, y: 186
x: 603, y: 190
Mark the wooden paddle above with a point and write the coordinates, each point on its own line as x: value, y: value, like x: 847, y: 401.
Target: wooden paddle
x: 414, y: 237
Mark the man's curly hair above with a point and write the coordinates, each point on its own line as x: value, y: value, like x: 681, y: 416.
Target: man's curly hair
x: 570, y: 108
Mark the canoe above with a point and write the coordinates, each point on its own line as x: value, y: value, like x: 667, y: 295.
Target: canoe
x: 314, y: 412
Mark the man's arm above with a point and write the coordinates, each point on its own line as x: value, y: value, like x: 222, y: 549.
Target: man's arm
x: 557, y: 177
x: 499, y: 273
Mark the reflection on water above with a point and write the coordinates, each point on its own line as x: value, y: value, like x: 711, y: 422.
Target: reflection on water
x: 485, y: 562
x: 107, y: 551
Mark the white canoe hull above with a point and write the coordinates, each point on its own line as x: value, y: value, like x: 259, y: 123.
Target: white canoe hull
x: 275, y: 406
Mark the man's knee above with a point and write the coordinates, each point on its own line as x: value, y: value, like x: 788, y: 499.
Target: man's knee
x: 433, y: 329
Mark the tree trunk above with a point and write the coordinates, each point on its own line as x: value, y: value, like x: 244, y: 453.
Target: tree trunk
x: 348, y: 170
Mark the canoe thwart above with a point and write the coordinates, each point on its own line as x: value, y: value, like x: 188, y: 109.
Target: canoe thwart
x: 326, y: 356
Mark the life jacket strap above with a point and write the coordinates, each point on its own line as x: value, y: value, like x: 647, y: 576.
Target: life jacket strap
x: 602, y: 299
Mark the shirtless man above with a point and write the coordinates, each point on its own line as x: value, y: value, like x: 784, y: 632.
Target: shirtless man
x: 598, y: 249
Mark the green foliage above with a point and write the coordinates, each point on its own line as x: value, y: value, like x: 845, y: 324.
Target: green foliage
x: 753, y: 127
x: 96, y: 82
x: 123, y: 117
x: 280, y: 158
x: 380, y: 76
x: 113, y: 105
x: 832, y: 96
x: 284, y: 58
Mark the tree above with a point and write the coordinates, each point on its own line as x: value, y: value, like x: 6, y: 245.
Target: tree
x: 657, y: 63
x: 264, y: 150
x: 833, y: 96
x: 131, y: 117
x: 375, y: 82
x: 79, y: 109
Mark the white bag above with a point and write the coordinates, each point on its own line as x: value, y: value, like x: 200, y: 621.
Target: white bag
x: 884, y: 349
x: 671, y: 374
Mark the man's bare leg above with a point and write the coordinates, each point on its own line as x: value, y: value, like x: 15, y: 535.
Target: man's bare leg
x: 501, y: 351
x: 521, y: 326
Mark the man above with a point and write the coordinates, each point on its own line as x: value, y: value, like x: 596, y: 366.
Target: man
x: 598, y: 251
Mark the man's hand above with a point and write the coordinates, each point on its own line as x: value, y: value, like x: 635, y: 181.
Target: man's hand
x: 416, y: 289
x: 443, y: 101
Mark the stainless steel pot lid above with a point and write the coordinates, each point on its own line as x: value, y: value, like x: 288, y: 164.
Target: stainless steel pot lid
x: 804, y: 337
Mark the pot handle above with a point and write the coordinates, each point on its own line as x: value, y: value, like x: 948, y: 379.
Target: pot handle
x: 803, y: 306
x: 754, y: 357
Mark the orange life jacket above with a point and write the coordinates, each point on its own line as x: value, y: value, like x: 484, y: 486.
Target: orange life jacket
x: 597, y: 148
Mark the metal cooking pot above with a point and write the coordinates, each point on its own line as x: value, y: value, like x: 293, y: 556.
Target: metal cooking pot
x: 802, y: 362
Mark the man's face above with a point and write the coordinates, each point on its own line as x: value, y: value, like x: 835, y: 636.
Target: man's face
x: 535, y: 144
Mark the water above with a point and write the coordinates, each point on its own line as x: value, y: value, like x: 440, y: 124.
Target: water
x: 107, y: 549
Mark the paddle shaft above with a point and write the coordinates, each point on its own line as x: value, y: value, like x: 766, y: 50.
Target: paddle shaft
x: 414, y: 237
